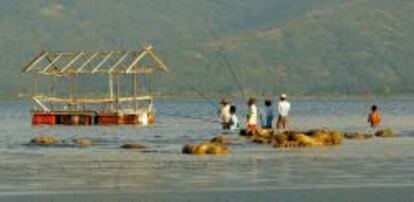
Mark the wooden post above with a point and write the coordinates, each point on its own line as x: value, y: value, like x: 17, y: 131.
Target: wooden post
x: 111, y: 89
x: 34, y: 90
x: 75, y: 93
x: 117, y: 92
x: 134, y: 90
x: 52, y: 89
x: 70, y: 92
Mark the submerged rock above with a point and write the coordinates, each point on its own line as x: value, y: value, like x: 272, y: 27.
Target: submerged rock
x: 308, y: 139
x: 205, y: 148
x: 261, y: 140
x: 133, y: 146
x: 303, y: 140
x: 217, y: 150
x: 83, y: 142
x: 281, y: 139
x: 387, y: 132
x: 328, y: 137
x: 264, y: 133
x: 358, y: 136
x: 221, y: 140
x: 46, y: 140
x: 247, y: 132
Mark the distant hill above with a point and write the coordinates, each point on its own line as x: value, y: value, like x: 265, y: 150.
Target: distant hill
x: 302, y: 47
x: 352, y: 48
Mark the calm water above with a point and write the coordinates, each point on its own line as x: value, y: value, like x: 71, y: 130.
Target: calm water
x: 104, y: 168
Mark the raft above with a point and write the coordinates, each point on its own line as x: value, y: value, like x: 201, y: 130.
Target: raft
x: 134, y: 107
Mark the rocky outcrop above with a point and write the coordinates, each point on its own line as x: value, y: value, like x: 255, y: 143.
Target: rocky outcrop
x: 205, y: 148
x: 320, y: 137
x: 358, y: 136
x: 83, y: 142
x: 224, y: 140
x: 44, y: 140
x: 136, y: 146
x: 308, y: 139
x: 53, y: 141
x: 385, y: 133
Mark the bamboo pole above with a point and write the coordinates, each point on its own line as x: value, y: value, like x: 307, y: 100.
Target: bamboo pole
x: 117, y: 92
x: 134, y: 90
x: 52, y: 88
x: 34, y: 88
x: 76, y: 89
x: 111, y: 88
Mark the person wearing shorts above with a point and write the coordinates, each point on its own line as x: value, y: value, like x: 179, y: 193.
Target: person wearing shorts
x: 283, y: 109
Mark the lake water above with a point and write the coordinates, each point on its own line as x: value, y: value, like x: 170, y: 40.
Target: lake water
x: 372, y: 170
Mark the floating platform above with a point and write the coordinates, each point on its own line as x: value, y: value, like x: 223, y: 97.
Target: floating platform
x: 62, y: 75
x: 73, y: 118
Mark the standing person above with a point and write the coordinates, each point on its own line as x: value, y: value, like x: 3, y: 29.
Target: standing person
x: 267, y: 119
x: 225, y: 114
x: 374, y: 118
x: 252, y: 114
x: 234, y: 121
x: 283, y: 109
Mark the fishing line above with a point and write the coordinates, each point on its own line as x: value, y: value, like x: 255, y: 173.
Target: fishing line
x: 233, y: 73
x: 228, y: 63
x: 190, y: 117
x: 212, y: 104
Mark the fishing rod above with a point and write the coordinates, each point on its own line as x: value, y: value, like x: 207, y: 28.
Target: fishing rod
x: 233, y: 73
x: 191, y: 117
x: 229, y: 67
x: 202, y: 95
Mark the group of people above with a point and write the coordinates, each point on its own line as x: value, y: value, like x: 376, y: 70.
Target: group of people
x: 230, y: 121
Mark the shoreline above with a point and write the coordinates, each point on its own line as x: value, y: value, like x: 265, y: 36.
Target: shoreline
x: 190, y: 97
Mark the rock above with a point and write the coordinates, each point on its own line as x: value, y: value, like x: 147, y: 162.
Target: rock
x: 44, y: 140
x: 188, y: 149
x: 221, y: 140
x: 322, y: 136
x: 328, y: 137
x: 306, y: 141
x: 201, y: 149
x: 134, y: 146
x: 288, y: 144
x: 264, y: 133
x: 280, y: 139
x: 205, y: 148
x: 260, y: 140
x: 83, y: 142
x: 358, y: 136
x: 385, y: 133
x: 336, y: 137
x: 217, y: 150
x: 247, y: 132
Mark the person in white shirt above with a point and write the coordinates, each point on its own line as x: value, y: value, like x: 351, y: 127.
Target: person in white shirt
x: 225, y: 114
x: 283, y: 110
x: 252, y: 114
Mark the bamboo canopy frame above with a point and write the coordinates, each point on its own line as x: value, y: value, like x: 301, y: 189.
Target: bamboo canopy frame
x: 99, y: 62
x: 112, y: 63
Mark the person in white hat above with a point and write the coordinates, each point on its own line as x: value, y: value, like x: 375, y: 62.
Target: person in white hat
x: 252, y: 114
x: 225, y: 114
x: 283, y: 109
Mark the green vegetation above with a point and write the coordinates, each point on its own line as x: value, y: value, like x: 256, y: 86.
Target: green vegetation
x: 303, y: 47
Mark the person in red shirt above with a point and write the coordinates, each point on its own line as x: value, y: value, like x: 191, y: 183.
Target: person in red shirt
x: 374, y: 118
